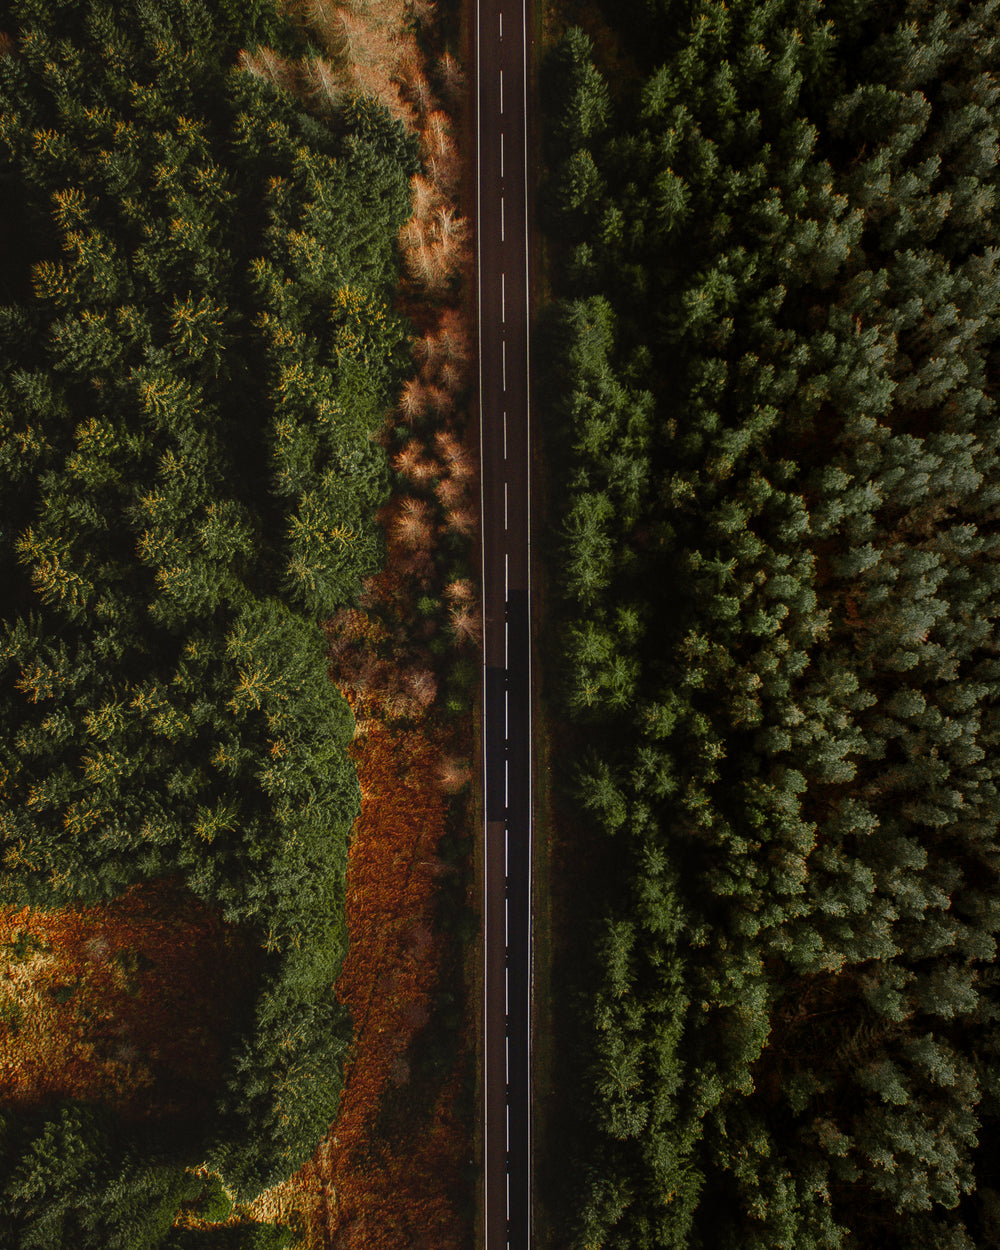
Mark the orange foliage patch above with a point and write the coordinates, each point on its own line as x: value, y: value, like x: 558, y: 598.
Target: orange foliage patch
x: 130, y: 1002
x: 393, y: 1193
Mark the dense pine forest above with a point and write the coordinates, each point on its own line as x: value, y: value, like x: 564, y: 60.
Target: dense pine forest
x: 196, y: 275
x: 771, y: 409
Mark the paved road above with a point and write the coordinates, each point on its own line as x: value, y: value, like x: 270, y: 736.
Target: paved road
x: 502, y: 244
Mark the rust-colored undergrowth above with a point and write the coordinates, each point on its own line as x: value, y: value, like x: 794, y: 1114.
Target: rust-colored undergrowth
x: 393, y: 1180
x: 130, y: 1002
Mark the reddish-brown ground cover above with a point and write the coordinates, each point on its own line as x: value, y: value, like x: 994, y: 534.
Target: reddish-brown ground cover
x: 394, y: 1189
x: 131, y: 1002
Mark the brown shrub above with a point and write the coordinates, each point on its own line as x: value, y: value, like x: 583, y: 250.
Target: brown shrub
x: 452, y: 78
x: 413, y: 400
x: 461, y: 590
x: 465, y: 622
x: 451, y: 493
x: 268, y: 64
x: 411, y: 463
x: 412, y: 524
x: 453, y: 774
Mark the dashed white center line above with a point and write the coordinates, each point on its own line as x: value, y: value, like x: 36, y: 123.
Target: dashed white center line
x: 490, y: 61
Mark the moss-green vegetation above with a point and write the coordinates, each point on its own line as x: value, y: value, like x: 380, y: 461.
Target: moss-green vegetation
x: 771, y: 399
x: 197, y: 347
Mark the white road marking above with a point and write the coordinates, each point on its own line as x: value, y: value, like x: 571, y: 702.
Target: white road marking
x: 511, y: 1237
x: 503, y: 362
x: 505, y: 563
x: 527, y: 506
x: 503, y: 299
x: 505, y: 505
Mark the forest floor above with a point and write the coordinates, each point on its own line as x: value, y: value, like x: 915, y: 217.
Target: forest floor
x: 88, y: 996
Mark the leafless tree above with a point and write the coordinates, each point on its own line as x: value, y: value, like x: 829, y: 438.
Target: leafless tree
x: 452, y: 78
x: 413, y: 400
x: 462, y: 519
x: 453, y: 774
x: 412, y: 524
x: 465, y: 623
x: 266, y: 63
x: 451, y: 493
x: 426, y: 197
x: 422, y: 685
x: 322, y: 83
x: 461, y: 590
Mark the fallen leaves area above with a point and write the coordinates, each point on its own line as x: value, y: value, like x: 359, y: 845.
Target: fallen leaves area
x: 131, y: 1003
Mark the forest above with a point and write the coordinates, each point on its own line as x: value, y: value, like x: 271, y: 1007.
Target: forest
x: 198, y: 342
x: 769, y: 405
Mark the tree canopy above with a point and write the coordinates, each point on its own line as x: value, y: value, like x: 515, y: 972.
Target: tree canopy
x: 771, y: 395
x: 197, y: 344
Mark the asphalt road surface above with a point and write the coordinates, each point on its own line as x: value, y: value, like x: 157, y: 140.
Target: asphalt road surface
x: 502, y: 245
